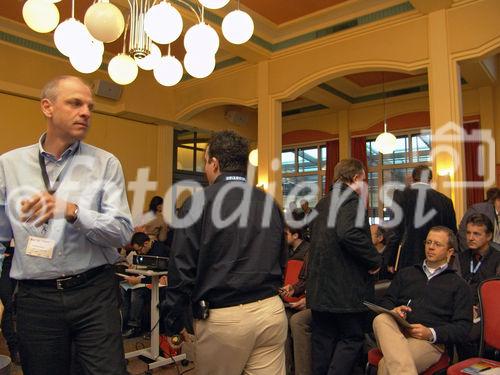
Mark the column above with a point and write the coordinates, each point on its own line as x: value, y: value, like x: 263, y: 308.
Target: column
x: 165, y: 151
x: 445, y: 101
x: 487, y: 115
x: 344, y: 135
x: 269, y: 141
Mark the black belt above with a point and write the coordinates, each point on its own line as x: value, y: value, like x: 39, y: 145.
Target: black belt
x: 67, y: 282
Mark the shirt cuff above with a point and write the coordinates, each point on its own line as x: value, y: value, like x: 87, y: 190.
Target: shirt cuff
x: 85, y: 220
x: 434, y: 337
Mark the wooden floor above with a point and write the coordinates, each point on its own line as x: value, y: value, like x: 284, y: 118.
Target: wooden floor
x: 135, y: 366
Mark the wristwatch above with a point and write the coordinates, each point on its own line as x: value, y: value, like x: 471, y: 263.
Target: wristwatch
x: 72, y: 218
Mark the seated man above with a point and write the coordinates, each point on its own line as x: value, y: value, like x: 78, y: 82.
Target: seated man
x: 435, y: 301
x: 479, y: 262
x: 140, y: 296
x: 297, y: 246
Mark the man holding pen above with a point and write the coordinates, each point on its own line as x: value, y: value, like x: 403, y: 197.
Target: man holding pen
x: 434, y: 300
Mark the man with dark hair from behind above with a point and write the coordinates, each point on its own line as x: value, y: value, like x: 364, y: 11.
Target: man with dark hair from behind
x: 231, y: 272
x: 490, y: 208
x: 434, y: 300
x: 479, y: 262
x: 411, y: 231
x: 342, y: 261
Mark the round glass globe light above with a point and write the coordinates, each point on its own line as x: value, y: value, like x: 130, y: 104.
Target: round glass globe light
x: 253, y: 157
x: 122, y: 69
x: 237, y: 27
x: 199, y: 65
x: 104, y: 21
x: 214, y: 4
x: 41, y: 16
x: 385, y: 143
x: 201, y: 38
x: 70, y: 35
x: 85, y: 62
x: 169, y: 71
x: 163, y: 23
x: 152, y: 60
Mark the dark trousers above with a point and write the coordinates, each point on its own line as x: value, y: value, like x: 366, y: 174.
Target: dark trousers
x: 337, y: 341
x: 7, y: 287
x: 84, y: 319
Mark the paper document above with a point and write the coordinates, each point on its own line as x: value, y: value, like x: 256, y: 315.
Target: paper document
x: 379, y: 310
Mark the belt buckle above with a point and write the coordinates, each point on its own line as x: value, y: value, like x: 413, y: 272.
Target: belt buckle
x: 60, y: 283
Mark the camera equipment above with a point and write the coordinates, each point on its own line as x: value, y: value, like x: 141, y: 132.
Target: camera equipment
x: 151, y: 262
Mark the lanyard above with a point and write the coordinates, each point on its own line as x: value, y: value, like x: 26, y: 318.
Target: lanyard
x: 53, y: 188
x: 473, y: 269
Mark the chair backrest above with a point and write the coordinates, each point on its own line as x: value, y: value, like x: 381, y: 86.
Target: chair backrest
x: 489, y: 292
x: 292, y: 276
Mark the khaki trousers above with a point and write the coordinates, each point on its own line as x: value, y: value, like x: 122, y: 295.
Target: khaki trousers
x: 245, y: 339
x: 402, y: 355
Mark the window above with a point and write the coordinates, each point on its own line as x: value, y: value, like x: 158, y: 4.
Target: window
x: 393, y: 171
x: 306, y: 166
x: 189, y: 155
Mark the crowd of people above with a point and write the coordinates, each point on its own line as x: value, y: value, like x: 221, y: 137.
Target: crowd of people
x: 227, y: 265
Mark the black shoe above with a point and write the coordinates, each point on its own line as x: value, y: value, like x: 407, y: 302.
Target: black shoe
x: 132, y: 332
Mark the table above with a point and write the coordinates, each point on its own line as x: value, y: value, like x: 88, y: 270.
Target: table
x: 153, y: 352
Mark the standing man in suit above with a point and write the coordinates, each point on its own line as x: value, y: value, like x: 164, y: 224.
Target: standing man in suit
x: 342, y: 262
x: 422, y: 208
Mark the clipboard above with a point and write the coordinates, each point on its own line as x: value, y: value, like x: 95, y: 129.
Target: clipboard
x: 379, y: 310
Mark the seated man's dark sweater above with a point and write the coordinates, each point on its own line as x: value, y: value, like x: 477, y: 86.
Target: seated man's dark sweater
x: 443, y: 303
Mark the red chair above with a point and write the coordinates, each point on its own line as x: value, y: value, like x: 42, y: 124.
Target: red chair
x: 488, y: 290
x: 293, y: 268
x: 375, y: 355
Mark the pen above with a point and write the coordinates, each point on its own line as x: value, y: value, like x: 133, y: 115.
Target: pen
x: 409, y: 301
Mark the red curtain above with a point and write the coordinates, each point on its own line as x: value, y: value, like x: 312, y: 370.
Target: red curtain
x: 332, y: 158
x: 358, y: 150
x: 474, y: 195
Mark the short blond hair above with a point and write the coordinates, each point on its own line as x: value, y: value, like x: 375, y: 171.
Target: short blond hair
x: 51, y: 88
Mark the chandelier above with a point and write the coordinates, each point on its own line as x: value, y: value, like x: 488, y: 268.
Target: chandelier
x: 386, y: 141
x: 150, y: 23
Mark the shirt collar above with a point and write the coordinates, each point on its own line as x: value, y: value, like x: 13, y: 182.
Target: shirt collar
x: 69, y: 151
x: 436, y: 272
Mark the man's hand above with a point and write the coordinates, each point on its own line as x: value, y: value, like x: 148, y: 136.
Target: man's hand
x: 391, y: 269
x: 287, y: 291
x: 132, y: 280
x: 420, y: 332
x: 374, y: 271
x: 475, y: 312
x: 163, y: 280
x: 299, y: 305
x: 402, y: 311
x: 42, y: 207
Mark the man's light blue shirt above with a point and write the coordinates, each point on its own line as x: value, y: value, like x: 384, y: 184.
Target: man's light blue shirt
x: 94, y: 181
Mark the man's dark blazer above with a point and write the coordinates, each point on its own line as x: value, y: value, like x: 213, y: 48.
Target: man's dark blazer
x: 412, y: 234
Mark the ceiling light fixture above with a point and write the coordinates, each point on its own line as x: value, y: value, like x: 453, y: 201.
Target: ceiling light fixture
x: 385, y: 142
x: 151, y: 22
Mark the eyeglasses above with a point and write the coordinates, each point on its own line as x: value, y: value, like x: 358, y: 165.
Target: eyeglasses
x: 435, y: 243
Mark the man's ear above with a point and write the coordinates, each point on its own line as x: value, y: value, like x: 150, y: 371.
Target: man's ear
x: 46, y: 106
x: 216, y: 164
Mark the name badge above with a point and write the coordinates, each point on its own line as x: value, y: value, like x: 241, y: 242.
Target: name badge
x: 40, y: 247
